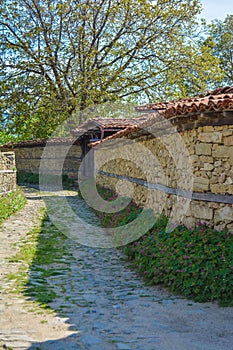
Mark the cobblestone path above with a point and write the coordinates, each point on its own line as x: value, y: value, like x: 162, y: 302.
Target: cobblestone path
x: 101, y: 304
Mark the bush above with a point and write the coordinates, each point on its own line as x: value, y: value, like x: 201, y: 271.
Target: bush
x: 31, y: 178
x: 196, y: 263
x: 26, y: 177
x: 11, y: 203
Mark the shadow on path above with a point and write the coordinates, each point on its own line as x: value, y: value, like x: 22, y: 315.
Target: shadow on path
x: 108, y: 307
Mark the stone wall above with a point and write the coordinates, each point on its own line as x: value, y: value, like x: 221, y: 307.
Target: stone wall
x: 164, y: 183
x: 28, y: 159
x: 7, y: 172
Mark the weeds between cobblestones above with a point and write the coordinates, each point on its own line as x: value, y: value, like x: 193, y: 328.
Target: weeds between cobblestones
x: 10, y: 203
x: 42, y: 250
x: 22, y: 320
x: 93, y: 293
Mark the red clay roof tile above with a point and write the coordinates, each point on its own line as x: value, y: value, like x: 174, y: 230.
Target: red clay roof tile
x: 106, y: 123
x: 215, y: 100
x: 218, y: 100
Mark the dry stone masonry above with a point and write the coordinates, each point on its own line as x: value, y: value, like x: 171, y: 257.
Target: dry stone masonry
x: 7, y: 172
x: 210, y: 149
x: 175, y: 151
x: 28, y: 158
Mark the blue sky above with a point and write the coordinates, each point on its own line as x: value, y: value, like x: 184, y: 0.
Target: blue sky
x: 216, y: 9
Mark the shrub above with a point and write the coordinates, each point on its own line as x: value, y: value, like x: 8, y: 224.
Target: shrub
x: 31, y: 178
x: 196, y: 263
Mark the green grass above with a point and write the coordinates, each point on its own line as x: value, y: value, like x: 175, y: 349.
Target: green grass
x: 197, y: 263
x: 10, y: 203
x: 39, y: 257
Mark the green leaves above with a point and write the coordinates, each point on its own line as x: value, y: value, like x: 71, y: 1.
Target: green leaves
x: 11, y: 203
x: 220, y: 41
x: 196, y: 263
x: 62, y: 56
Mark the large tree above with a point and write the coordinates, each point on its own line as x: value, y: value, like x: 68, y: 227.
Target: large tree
x: 58, y: 56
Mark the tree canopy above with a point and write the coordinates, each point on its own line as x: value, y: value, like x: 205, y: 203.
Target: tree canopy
x: 220, y: 41
x: 60, y: 56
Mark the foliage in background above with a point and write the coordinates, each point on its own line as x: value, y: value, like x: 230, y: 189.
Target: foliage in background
x: 25, y: 177
x: 220, y: 42
x: 61, y: 56
x: 11, y: 203
x: 200, y: 74
x: 197, y: 263
x: 31, y: 178
x: 5, y: 137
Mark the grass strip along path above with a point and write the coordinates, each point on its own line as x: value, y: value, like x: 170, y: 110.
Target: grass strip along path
x: 58, y: 294
x: 24, y: 321
x: 10, y: 203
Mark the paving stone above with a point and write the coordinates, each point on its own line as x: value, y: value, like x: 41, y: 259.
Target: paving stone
x: 104, y: 304
x: 122, y: 346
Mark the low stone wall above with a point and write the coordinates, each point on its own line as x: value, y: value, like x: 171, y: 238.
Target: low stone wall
x: 164, y: 183
x: 28, y: 159
x: 7, y: 172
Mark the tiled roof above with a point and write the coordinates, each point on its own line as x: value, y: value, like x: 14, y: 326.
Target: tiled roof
x: 90, y: 124
x: 219, y: 91
x: 217, y: 100
x: 106, y: 123
x: 39, y: 143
